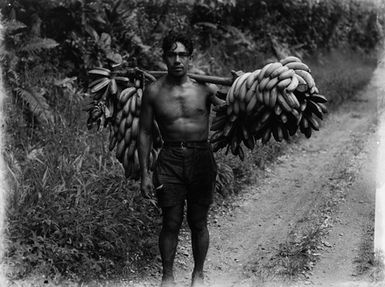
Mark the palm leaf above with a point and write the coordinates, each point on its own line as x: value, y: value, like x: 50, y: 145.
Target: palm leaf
x: 36, y: 103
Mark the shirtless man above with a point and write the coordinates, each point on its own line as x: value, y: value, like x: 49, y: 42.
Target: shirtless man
x: 185, y: 169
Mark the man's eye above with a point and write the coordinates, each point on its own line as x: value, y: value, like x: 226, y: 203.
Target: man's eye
x: 181, y: 55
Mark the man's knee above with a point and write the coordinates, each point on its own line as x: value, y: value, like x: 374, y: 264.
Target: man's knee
x: 197, y: 217
x: 197, y: 225
x: 172, y: 218
x: 172, y: 224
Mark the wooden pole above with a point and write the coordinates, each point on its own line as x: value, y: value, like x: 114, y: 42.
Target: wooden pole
x: 225, y: 81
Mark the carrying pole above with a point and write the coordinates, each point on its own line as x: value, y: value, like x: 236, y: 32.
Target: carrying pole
x: 225, y: 81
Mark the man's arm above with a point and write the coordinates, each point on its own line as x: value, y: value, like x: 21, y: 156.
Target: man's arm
x: 214, y: 99
x: 145, y: 141
x: 217, y: 97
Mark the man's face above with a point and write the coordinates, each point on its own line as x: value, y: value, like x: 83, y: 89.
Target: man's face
x: 177, y: 60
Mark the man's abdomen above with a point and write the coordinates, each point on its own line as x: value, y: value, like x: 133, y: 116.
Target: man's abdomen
x: 185, y: 129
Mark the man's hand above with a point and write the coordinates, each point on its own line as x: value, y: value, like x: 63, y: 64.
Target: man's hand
x: 146, y: 187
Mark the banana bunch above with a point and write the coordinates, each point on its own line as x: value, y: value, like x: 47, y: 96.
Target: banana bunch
x: 103, y: 87
x: 125, y: 130
x: 273, y: 101
x: 117, y: 103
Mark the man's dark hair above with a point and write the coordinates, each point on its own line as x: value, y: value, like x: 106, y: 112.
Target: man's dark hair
x: 173, y: 37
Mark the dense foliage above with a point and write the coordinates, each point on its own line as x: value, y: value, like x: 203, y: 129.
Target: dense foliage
x: 71, y: 211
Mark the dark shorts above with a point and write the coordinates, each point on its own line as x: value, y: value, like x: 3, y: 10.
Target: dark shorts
x: 186, y: 173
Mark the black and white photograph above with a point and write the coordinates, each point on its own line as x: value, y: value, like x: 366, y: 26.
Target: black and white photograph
x: 192, y: 143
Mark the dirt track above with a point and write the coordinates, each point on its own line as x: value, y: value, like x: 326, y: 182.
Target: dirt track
x: 326, y: 181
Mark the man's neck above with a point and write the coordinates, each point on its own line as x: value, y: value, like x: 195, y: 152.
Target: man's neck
x: 177, y: 80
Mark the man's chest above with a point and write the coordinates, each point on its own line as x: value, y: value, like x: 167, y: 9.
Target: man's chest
x: 178, y: 103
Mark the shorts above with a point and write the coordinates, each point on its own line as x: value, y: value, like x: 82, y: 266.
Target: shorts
x: 186, y: 173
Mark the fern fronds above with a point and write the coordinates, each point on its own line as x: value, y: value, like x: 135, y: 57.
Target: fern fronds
x: 13, y: 27
x: 38, y: 44
x: 13, y: 78
x: 36, y: 103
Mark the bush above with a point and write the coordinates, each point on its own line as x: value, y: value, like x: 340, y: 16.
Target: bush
x: 72, y: 212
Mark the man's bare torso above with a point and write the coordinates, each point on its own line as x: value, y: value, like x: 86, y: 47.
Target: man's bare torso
x: 182, y: 111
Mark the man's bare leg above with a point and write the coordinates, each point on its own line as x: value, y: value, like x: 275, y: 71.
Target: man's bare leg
x: 168, y: 241
x: 197, y: 220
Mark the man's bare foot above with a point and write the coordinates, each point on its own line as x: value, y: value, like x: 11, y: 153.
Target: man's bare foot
x: 197, y: 279
x: 168, y: 282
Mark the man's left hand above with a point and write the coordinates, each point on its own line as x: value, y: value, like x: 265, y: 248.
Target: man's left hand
x: 146, y: 187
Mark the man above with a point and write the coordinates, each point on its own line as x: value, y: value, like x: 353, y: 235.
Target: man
x: 185, y: 169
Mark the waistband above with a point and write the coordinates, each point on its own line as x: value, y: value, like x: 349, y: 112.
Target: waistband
x: 187, y: 144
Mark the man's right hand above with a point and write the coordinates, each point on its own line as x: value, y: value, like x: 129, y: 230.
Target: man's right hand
x: 146, y: 187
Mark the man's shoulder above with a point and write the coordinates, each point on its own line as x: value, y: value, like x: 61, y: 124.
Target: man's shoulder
x: 196, y: 82
x: 153, y: 88
x: 204, y: 85
x: 211, y: 89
